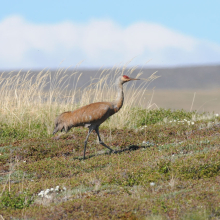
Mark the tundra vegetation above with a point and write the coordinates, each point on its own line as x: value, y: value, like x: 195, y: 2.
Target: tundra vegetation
x: 167, y: 165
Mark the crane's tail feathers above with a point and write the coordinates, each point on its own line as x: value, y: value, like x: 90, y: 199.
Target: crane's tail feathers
x: 56, y: 129
x: 59, y: 127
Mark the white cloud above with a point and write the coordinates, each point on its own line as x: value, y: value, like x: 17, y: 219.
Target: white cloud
x: 98, y: 43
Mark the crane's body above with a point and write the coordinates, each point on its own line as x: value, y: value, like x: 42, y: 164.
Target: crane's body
x: 92, y: 115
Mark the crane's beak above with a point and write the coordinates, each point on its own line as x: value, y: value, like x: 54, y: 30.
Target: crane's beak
x: 133, y: 79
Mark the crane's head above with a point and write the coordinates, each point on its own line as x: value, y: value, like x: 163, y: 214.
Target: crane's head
x: 125, y: 79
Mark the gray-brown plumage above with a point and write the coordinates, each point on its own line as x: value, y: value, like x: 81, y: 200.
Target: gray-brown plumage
x: 92, y: 115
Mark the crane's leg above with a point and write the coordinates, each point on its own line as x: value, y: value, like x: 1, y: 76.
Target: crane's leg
x: 85, y: 143
x: 100, y: 141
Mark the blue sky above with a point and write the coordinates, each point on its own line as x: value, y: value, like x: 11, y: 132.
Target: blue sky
x: 104, y: 33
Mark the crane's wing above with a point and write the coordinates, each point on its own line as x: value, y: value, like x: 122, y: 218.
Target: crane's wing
x: 95, y: 113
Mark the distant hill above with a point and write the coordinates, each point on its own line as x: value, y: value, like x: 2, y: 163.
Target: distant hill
x: 195, y: 77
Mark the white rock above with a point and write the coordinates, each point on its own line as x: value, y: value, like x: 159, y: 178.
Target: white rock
x: 57, y: 188
x: 47, y: 191
x: 41, y: 193
x: 152, y: 184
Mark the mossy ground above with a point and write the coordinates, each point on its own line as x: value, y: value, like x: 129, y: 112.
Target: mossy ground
x: 163, y: 170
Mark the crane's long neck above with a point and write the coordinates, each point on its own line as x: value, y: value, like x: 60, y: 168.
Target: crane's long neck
x: 119, y: 98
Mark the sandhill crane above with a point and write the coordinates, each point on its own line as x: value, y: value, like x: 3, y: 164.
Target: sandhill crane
x: 92, y: 115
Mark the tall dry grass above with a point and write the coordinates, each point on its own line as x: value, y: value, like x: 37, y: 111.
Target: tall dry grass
x: 31, y: 101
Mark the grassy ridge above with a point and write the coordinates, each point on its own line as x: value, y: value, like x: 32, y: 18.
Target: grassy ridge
x: 167, y: 165
x: 168, y: 169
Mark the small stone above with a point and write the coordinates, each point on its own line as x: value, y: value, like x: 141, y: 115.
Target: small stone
x: 47, y: 191
x: 41, y: 193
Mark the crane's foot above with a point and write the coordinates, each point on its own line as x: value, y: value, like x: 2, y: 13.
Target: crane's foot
x: 103, y: 144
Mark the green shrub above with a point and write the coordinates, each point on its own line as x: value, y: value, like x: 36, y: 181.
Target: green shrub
x: 18, y: 132
x: 15, y: 200
x: 147, y: 117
